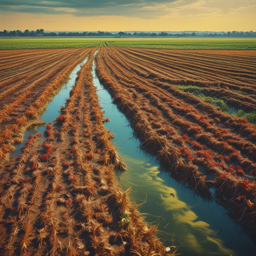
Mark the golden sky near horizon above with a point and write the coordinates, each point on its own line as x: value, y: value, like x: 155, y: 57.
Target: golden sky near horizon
x: 118, y: 15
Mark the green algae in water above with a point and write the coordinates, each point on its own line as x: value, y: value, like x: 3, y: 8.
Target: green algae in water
x: 175, y: 218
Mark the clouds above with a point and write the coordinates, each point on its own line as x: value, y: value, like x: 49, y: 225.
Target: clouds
x: 137, y: 8
x: 215, y: 8
x: 128, y: 8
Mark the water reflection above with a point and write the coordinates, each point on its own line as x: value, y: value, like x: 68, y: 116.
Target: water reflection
x: 178, y: 224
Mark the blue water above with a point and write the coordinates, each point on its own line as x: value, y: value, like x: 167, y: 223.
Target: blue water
x: 184, y: 219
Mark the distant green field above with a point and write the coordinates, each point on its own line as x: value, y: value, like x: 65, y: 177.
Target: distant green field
x: 174, y: 43
x: 190, y: 43
x: 47, y: 43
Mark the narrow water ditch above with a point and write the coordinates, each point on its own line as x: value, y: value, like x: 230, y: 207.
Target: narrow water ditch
x: 184, y: 219
x: 52, y: 110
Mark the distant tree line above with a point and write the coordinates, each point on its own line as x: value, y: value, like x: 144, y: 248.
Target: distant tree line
x: 41, y: 32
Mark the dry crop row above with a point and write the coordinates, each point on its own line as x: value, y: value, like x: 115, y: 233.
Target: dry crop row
x: 213, y: 89
x: 203, y: 68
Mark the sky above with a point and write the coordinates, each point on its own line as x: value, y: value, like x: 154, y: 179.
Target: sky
x: 132, y: 15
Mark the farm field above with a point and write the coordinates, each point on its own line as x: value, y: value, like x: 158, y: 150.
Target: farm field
x: 187, y: 43
x: 59, y: 195
x: 47, y: 43
x: 159, y: 43
x: 193, y: 111
x: 199, y: 143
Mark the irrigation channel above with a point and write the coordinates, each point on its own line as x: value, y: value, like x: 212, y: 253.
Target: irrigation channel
x: 184, y: 219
